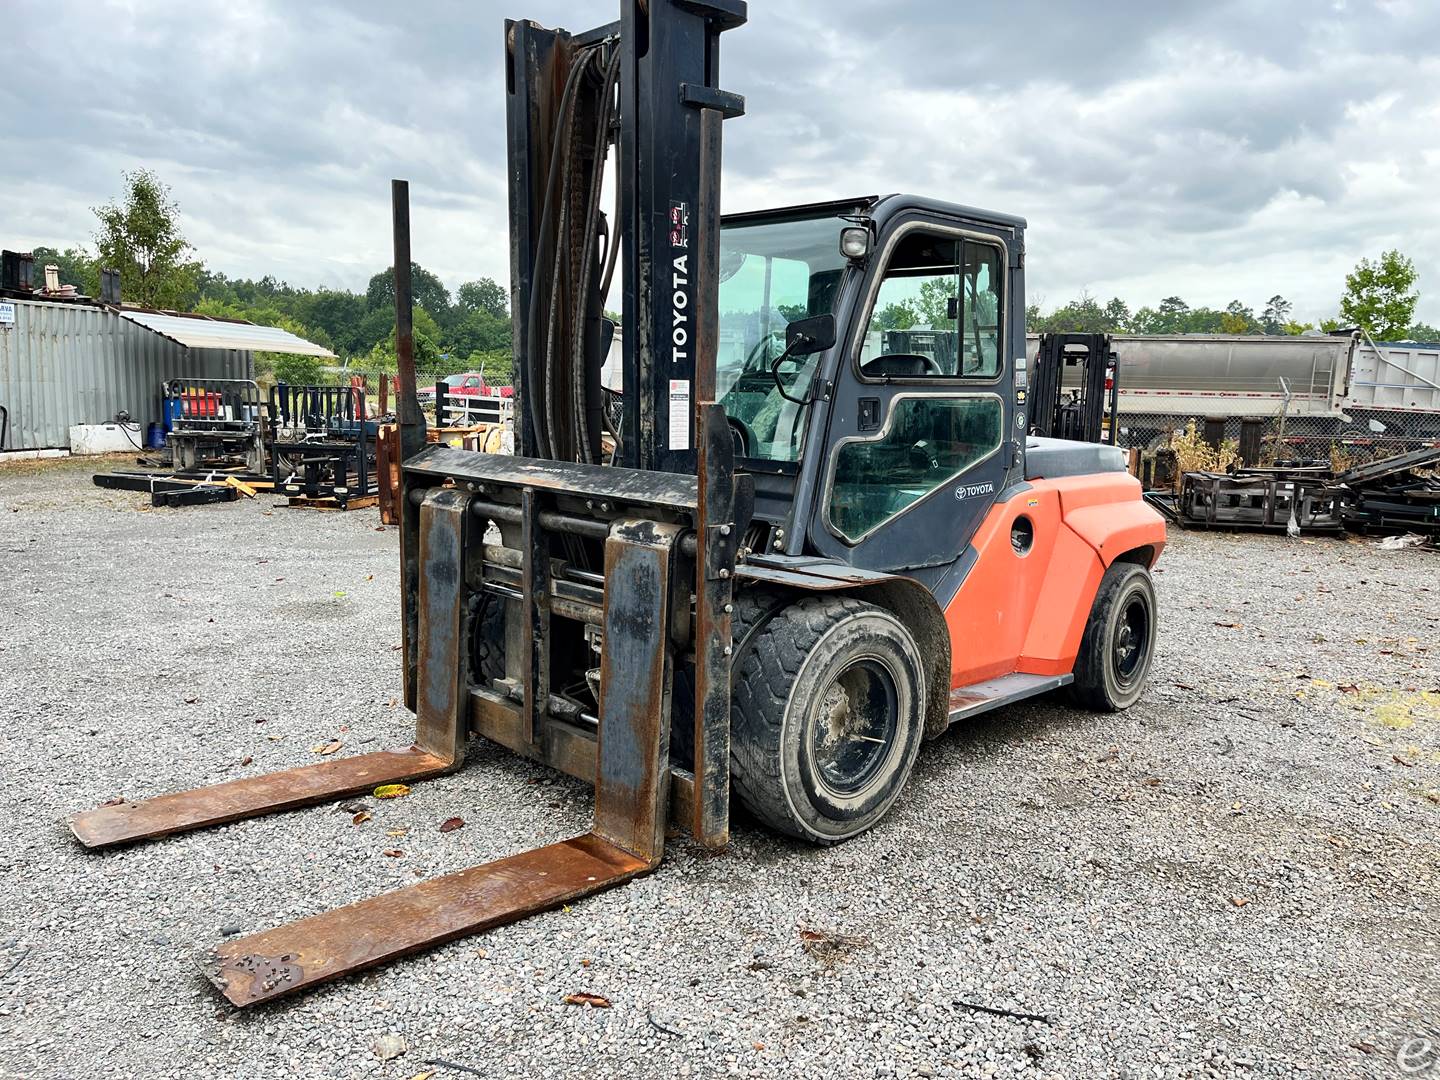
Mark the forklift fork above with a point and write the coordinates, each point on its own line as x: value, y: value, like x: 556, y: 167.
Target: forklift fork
x: 631, y: 781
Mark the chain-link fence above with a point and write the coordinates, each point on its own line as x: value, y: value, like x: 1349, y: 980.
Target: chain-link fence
x: 1360, y: 435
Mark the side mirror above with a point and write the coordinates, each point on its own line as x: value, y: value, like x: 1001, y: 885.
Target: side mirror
x: 805, y: 337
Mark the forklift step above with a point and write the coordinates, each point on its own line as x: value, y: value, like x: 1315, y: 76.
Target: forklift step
x: 127, y: 822
x: 302, y: 954
x: 981, y: 697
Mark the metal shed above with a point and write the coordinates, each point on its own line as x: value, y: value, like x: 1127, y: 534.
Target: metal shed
x: 63, y: 364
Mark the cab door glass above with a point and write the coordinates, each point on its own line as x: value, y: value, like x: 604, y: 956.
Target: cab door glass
x: 912, y: 332
x: 937, y: 311
x: 980, y: 308
x: 927, y: 441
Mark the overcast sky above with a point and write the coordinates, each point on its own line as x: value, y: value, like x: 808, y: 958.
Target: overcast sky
x: 1208, y: 150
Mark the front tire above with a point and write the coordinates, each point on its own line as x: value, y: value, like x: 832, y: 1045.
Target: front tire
x: 827, y: 718
x: 1119, y: 640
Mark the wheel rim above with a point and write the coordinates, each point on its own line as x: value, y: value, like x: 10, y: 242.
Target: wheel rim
x: 854, y: 725
x: 1132, y: 639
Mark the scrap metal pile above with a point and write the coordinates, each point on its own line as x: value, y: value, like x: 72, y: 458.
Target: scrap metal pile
x: 1395, y: 494
x: 318, y: 446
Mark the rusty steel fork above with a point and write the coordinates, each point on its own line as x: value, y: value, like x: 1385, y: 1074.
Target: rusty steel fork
x: 440, y: 720
x: 631, y: 779
x: 626, y: 839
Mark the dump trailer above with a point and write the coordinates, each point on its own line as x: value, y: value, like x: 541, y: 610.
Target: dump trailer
x: 804, y: 556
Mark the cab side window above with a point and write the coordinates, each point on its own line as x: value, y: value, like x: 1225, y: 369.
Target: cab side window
x: 937, y: 311
x: 928, y: 441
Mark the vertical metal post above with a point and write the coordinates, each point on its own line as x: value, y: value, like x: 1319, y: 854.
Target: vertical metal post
x: 715, y: 471
x: 412, y: 433
x: 535, y: 661
x: 412, y: 420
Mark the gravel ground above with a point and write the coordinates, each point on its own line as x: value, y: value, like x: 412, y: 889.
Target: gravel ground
x: 1237, y: 877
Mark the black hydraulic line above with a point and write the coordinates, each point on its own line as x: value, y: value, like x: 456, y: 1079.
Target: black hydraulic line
x: 532, y: 405
x: 584, y: 298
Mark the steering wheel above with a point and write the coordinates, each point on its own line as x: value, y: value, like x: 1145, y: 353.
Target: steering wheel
x: 758, y: 358
x: 743, y: 436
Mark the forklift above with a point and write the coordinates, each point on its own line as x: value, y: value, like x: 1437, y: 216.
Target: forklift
x: 797, y: 555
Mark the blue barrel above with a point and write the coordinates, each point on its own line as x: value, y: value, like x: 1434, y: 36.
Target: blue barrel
x: 155, y: 436
x: 174, y: 407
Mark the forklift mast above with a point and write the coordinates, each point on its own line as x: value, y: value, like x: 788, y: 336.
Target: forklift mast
x: 647, y: 84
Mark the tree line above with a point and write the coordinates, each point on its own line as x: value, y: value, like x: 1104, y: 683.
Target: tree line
x: 140, y: 236
x: 1380, y: 298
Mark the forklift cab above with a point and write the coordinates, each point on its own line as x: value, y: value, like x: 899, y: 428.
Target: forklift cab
x: 909, y: 412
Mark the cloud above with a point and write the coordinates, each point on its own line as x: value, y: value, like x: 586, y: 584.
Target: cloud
x: 1214, y: 151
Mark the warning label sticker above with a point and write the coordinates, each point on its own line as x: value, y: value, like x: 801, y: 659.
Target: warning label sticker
x: 679, y: 414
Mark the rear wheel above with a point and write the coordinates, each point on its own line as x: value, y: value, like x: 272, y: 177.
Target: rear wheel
x: 828, y: 715
x: 1119, y: 640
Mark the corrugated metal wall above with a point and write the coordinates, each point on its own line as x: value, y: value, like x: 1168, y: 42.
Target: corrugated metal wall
x: 64, y: 364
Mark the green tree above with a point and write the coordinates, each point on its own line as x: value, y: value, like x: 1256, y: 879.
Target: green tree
x: 1117, y: 316
x: 1238, y: 318
x: 898, y: 316
x: 1422, y: 332
x: 141, y: 238
x: 1276, y: 314
x: 483, y: 295
x: 1083, y: 315
x: 426, y: 290
x: 933, y: 303
x: 339, y: 314
x: 1380, y: 297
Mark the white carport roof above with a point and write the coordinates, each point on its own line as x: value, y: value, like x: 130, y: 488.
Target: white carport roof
x: 202, y: 332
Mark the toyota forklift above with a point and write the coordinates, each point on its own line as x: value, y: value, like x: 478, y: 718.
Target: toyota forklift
x: 814, y: 533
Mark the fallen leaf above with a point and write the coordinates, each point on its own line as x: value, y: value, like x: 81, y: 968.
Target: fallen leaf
x: 246, y: 760
x: 1401, y: 761
x: 360, y: 818
x: 397, y: 648
x: 192, y: 701
x: 1349, y: 688
x: 595, y: 1001
x: 451, y: 824
x: 423, y: 1075
x: 1239, y: 901
x: 394, y: 852
x: 114, y: 802
x: 327, y: 748
x: 391, y: 791
x: 369, y: 577
x: 397, y: 832
x: 1152, y: 781
x: 758, y: 1045
x: 1230, y: 625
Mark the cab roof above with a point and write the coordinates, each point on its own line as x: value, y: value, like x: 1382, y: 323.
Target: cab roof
x: 879, y: 208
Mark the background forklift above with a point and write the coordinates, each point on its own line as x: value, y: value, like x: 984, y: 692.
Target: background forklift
x: 806, y: 554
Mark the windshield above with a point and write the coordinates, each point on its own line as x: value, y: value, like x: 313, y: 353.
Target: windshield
x: 771, y: 274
